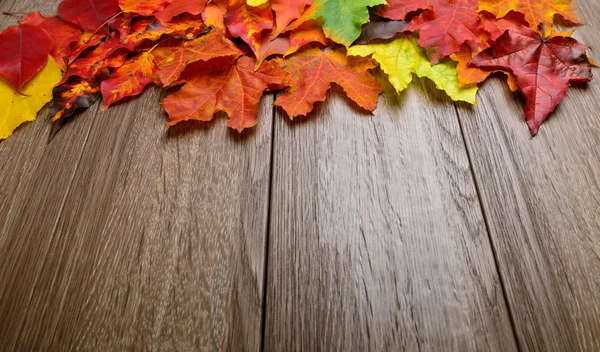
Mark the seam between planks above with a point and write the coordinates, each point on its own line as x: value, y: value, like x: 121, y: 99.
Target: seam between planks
x: 487, y: 229
x: 58, y: 216
x: 268, y: 229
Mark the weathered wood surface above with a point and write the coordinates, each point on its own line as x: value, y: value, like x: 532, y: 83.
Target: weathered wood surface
x: 119, y: 234
x: 377, y: 239
x: 541, y: 198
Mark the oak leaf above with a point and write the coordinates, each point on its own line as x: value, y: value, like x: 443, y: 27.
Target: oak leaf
x: 223, y: 84
x: 543, y: 68
x: 17, y: 108
x: 313, y: 71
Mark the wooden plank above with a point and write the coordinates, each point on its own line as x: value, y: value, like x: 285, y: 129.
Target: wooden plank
x: 377, y: 239
x: 160, y: 244
x: 542, y: 201
x: 36, y: 174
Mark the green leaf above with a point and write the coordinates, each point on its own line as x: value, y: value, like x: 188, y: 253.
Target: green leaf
x: 402, y: 57
x: 343, y: 19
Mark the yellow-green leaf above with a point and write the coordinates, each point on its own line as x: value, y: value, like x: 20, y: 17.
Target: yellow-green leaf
x: 17, y: 108
x: 402, y: 57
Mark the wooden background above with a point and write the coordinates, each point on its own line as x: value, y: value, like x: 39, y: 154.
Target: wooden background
x: 428, y: 226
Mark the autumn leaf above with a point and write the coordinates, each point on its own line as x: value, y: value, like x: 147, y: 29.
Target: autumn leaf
x: 223, y: 84
x: 128, y: 80
x: 543, y: 68
x: 89, y: 14
x: 17, y: 108
x: 248, y: 23
x: 143, y: 8
x: 75, y: 95
x: 342, y: 20
x: 402, y: 57
x: 469, y: 75
x: 150, y: 29
x: 313, y: 71
x: 286, y: 11
x: 446, y: 26
x: 172, y: 57
x: 535, y: 11
x: 399, y: 9
x: 25, y: 51
x: 178, y: 7
x: 63, y: 34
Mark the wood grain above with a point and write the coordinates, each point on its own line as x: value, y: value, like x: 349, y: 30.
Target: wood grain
x: 36, y: 173
x: 542, y: 201
x: 161, y: 242
x: 377, y: 240
x: 121, y: 234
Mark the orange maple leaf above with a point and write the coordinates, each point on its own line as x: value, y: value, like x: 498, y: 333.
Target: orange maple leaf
x: 223, y: 84
x: 129, y: 79
x: 313, y: 71
x: 535, y: 11
x: 172, y: 57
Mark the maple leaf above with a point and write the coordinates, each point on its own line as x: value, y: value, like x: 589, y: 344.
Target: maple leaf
x: 150, y: 29
x: 543, y: 68
x: 286, y: 11
x: 214, y: 14
x: 469, y: 75
x: 399, y: 9
x: 177, y: 7
x: 536, y: 11
x: 129, y: 79
x: 402, y: 57
x: 313, y: 71
x: 75, y: 95
x: 89, y: 14
x: 17, y: 108
x: 223, y: 84
x: 446, y: 26
x: 25, y: 51
x: 248, y: 23
x: 342, y: 20
x: 144, y: 8
x: 63, y: 34
x: 172, y: 57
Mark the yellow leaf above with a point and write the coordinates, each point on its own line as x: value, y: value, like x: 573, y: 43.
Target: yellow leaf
x: 256, y: 2
x: 402, y: 57
x: 17, y: 108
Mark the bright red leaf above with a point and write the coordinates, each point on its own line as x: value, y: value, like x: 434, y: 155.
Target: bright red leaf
x: 25, y: 51
x: 89, y: 14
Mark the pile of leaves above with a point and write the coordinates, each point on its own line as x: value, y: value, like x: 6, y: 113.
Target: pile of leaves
x: 222, y: 55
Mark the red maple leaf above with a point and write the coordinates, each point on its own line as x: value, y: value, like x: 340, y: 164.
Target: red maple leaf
x: 542, y: 67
